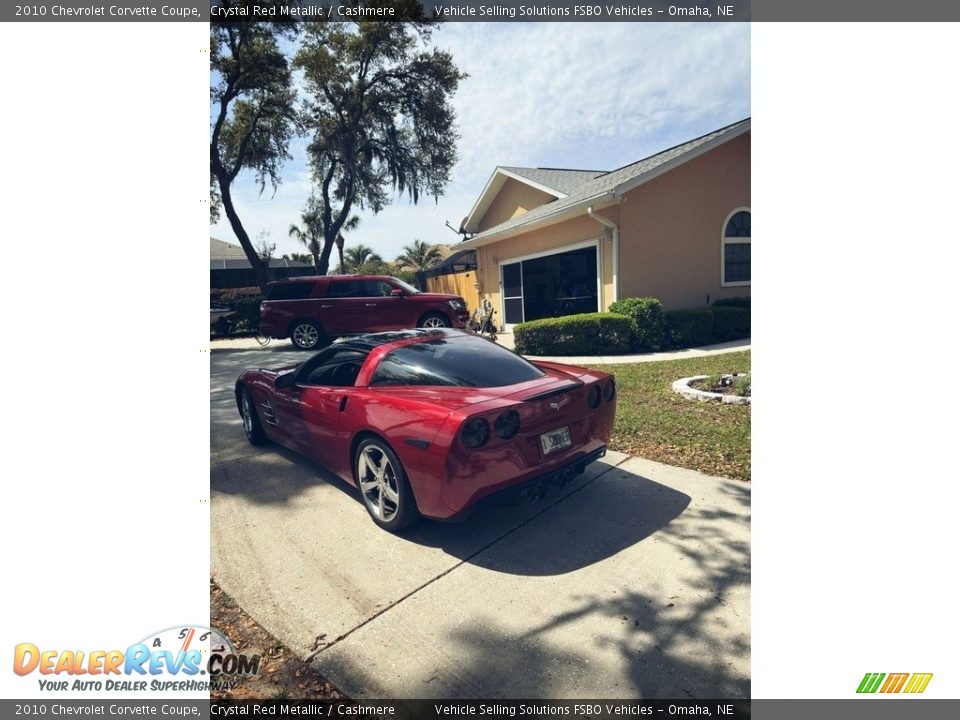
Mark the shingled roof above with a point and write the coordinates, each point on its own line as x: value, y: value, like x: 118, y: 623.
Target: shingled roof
x: 227, y: 256
x: 561, y: 180
x: 607, y: 187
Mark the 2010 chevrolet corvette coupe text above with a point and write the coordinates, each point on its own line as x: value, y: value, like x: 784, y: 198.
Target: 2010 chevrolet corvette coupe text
x: 431, y: 422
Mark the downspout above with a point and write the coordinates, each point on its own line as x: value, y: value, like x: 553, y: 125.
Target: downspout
x: 616, y: 249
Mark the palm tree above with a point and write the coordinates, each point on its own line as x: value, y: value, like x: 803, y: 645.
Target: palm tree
x: 362, y: 260
x: 419, y: 255
x: 311, y: 234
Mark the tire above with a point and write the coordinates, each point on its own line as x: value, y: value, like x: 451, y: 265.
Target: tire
x: 389, y: 501
x: 306, y: 335
x: 433, y: 321
x: 251, y: 420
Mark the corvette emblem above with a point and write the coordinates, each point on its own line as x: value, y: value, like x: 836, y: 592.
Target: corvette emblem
x: 559, y: 404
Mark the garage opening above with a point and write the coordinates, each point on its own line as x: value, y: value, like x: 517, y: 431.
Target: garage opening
x: 550, y: 286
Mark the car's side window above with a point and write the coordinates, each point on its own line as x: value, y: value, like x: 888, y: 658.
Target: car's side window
x: 345, y: 289
x: 334, y: 368
x: 377, y: 288
x: 290, y: 291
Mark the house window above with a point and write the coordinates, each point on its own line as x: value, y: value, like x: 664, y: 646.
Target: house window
x: 735, y: 262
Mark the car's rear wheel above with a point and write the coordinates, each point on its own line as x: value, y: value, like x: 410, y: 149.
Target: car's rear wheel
x: 434, y: 320
x: 306, y: 335
x: 383, y: 485
x: 251, y: 421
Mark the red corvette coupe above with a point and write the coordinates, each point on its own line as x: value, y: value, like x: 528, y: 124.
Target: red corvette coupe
x: 431, y: 422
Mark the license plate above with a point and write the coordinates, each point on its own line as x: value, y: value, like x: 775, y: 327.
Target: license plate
x: 555, y: 440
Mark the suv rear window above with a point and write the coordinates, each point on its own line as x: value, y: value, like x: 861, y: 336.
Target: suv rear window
x: 289, y: 291
x: 461, y: 362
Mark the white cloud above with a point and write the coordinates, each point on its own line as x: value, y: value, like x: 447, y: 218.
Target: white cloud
x: 592, y: 95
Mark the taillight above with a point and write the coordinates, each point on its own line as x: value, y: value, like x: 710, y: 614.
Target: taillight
x: 609, y: 390
x: 475, y: 433
x: 507, y: 425
x: 593, y: 398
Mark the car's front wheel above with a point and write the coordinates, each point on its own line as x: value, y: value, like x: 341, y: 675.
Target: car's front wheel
x: 251, y: 421
x: 383, y: 486
x: 434, y: 320
x: 306, y: 335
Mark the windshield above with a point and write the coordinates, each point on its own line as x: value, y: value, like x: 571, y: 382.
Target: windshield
x: 462, y: 361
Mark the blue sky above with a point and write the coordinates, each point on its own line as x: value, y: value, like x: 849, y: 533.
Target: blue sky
x: 572, y: 95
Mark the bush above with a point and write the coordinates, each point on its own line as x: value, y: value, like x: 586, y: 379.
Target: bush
x: 730, y: 323
x: 246, y: 301
x: 587, y: 334
x: 689, y: 328
x: 649, y: 325
x: 737, y: 302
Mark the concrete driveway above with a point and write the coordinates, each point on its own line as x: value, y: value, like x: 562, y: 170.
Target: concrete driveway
x: 631, y: 583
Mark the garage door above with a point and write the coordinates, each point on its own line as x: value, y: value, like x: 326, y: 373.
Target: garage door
x: 563, y: 283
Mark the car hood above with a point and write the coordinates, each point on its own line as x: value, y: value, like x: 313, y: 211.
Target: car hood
x: 435, y: 297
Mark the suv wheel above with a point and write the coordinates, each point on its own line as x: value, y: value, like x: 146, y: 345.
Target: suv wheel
x: 306, y: 335
x: 434, y: 320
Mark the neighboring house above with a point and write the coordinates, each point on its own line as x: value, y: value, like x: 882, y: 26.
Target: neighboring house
x: 229, y: 267
x: 675, y: 226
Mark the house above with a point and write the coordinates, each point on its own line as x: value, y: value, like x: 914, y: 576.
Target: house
x: 229, y: 267
x: 675, y: 226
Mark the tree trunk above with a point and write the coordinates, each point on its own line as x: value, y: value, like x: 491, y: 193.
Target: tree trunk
x: 340, y: 253
x: 259, y: 267
x: 316, y: 263
x: 324, y: 264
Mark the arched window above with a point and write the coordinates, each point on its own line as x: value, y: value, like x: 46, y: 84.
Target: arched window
x: 735, y: 256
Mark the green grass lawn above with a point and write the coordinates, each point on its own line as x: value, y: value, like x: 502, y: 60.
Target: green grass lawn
x: 656, y: 423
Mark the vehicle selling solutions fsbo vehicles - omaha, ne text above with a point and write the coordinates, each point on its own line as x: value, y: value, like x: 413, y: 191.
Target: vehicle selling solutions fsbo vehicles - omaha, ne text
x: 432, y: 422
x: 313, y: 310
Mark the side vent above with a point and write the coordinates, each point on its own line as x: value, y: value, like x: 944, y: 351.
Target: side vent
x: 268, y: 414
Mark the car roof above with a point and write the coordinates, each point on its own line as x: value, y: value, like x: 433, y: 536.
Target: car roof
x: 325, y: 278
x: 372, y: 341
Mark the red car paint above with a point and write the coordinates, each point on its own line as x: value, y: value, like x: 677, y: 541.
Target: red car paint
x: 422, y: 423
x: 351, y: 304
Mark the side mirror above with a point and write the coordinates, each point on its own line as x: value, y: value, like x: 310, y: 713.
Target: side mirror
x: 285, y: 380
x: 397, y: 292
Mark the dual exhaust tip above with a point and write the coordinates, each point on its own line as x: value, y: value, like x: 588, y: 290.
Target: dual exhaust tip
x: 558, y: 479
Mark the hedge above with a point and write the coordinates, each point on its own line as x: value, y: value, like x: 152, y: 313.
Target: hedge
x: 586, y: 334
x: 737, y: 302
x: 689, y: 328
x: 649, y: 324
x: 246, y: 301
x: 730, y: 323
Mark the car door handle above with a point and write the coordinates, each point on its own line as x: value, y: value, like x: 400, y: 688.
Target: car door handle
x: 325, y: 307
x: 371, y: 304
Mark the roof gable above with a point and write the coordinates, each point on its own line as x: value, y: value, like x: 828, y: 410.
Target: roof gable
x: 556, y: 182
x: 609, y: 187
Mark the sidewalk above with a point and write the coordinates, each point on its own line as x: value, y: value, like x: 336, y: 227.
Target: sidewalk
x: 506, y: 340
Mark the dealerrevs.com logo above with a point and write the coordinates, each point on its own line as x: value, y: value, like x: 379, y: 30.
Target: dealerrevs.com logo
x: 182, y: 659
x: 894, y: 683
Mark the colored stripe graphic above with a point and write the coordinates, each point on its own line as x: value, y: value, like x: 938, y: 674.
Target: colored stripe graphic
x: 918, y: 682
x: 894, y: 682
x: 870, y: 682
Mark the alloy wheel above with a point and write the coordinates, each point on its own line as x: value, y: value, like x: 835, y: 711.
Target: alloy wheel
x: 378, y: 483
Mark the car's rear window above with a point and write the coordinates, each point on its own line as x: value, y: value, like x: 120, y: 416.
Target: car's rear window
x: 289, y: 291
x: 460, y: 361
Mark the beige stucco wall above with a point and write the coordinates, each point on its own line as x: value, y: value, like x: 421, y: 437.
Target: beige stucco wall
x: 670, y: 232
x: 514, y: 198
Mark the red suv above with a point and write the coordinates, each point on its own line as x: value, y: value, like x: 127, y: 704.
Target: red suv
x: 312, y: 310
